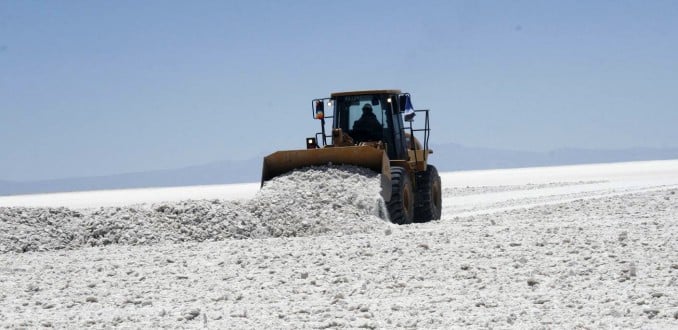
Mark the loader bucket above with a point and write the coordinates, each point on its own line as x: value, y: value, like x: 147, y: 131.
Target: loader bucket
x: 281, y: 162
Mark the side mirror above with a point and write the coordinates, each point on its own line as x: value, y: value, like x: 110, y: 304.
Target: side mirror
x: 406, y: 107
x: 319, y: 109
x: 402, y: 102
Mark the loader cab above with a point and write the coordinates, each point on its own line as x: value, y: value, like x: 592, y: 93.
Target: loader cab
x: 372, y: 116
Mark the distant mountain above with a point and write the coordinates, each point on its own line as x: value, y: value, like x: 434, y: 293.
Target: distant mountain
x: 213, y: 173
x: 447, y: 157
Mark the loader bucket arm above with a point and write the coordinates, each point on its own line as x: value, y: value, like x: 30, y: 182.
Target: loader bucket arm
x: 281, y: 162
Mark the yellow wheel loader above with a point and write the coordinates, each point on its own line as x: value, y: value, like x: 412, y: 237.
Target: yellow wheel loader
x: 369, y: 130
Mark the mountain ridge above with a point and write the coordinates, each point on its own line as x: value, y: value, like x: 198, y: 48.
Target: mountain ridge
x: 446, y: 157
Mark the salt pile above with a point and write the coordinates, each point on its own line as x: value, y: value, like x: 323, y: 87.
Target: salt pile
x: 306, y: 202
x: 318, y: 200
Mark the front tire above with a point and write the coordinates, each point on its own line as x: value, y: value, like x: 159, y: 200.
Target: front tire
x: 401, y: 205
x: 428, y: 205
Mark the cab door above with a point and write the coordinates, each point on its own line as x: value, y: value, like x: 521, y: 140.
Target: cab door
x: 399, y: 149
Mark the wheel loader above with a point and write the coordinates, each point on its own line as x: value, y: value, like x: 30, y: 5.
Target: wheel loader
x: 373, y: 129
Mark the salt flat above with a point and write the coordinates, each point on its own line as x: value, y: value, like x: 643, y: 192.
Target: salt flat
x: 608, y: 176
x: 591, y: 246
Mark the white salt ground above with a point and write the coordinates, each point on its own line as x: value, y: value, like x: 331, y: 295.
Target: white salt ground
x: 591, y: 247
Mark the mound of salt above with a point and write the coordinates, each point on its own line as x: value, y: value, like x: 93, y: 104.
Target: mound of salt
x: 317, y: 200
x: 311, y: 201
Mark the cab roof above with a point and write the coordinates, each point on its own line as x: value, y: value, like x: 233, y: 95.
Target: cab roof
x: 367, y: 92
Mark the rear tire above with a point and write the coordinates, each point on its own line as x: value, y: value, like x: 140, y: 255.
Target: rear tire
x: 428, y: 204
x: 401, y: 205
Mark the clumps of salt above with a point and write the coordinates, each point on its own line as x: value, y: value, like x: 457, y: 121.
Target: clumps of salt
x: 306, y: 202
x: 317, y: 200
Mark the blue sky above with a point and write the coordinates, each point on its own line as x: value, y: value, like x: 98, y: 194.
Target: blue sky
x: 96, y: 88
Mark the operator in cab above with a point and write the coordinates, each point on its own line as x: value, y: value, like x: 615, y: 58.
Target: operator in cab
x: 367, y: 127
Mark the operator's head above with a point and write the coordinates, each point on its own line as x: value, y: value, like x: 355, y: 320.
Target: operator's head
x: 367, y: 108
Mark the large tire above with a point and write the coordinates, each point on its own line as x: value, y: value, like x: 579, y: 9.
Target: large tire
x: 428, y: 203
x: 401, y: 205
